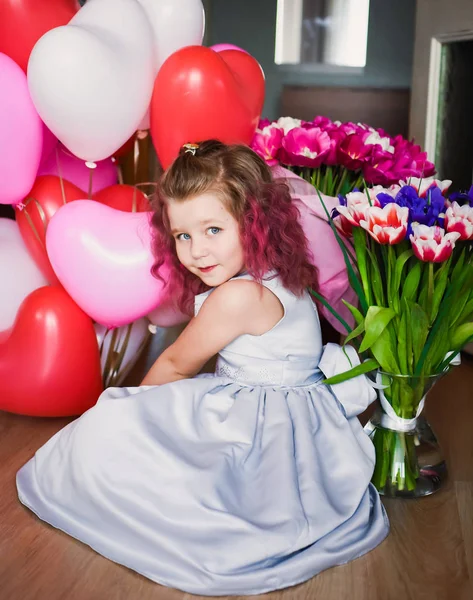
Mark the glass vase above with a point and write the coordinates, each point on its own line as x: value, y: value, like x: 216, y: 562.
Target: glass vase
x: 409, y: 462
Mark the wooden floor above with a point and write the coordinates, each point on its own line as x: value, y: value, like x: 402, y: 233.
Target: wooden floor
x: 427, y: 556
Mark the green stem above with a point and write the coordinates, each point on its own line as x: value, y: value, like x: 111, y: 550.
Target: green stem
x: 342, y: 182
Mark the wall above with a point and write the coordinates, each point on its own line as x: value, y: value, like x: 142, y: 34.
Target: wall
x: 433, y: 17
x: 251, y: 24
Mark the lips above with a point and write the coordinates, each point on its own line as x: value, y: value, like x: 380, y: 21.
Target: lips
x: 206, y: 269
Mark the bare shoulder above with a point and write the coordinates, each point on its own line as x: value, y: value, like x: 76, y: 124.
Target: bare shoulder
x: 248, y: 301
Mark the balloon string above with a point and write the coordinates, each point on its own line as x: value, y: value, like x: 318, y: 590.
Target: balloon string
x: 61, y: 180
x: 136, y: 158
x: 91, y: 176
x: 42, y: 216
x: 120, y: 174
x: 112, y: 373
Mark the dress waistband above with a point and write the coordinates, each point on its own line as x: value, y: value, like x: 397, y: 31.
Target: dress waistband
x: 258, y: 371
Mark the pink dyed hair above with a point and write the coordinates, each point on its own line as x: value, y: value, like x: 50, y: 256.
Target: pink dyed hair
x: 271, y: 235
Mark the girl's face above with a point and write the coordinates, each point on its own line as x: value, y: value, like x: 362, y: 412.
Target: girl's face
x: 207, y: 238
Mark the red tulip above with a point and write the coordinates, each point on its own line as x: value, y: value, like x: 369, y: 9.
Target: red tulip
x: 386, y: 225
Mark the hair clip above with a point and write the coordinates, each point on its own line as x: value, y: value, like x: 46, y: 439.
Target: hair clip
x: 190, y: 148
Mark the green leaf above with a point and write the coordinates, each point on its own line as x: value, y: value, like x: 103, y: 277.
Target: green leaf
x: 458, y: 266
x: 396, y: 280
x: 376, y: 280
x: 409, y: 352
x: 441, y: 322
x: 359, y: 241
x: 383, y: 352
x: 411, y: 284
x: 355, y: 333
x: 331, y: 310
x: 419, y: 328
x: 467, y: 313
x: 376, y: 321
x: 462, y: 335
x: 365, y: 367
x: 359, y: 318
x: 439, y: 347
x: 440, y: 284
x: 402, y: 350
x: 354, y: 281
x: 459, y: 302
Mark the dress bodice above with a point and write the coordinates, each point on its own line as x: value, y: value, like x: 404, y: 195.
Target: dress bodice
x: 286, y: 355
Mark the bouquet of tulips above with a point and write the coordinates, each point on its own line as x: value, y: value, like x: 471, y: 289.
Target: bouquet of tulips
x: 409, y: 252
x: 339, y: 157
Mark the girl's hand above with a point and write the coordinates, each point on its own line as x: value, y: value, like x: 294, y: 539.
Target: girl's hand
x: 234, y: 308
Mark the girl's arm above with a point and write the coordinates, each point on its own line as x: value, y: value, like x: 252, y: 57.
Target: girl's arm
x: 234, y: 308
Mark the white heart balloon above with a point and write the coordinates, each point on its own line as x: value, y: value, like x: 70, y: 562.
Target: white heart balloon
x: 175, y: 23
x: 91, y: 80
x: 19, y: 275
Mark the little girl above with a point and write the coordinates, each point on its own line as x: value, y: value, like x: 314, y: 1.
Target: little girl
x: 254, y: 478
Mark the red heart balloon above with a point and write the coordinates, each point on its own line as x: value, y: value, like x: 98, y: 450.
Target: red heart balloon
x: 123, y: 197
x: 23, y: 22
x: 201, y: 94
x: 50, y: 362
x: 46, y: 197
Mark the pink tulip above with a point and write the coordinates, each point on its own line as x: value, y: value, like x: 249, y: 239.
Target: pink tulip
x: 336, y: 138
x: 305, y: 147
x: 460, y: 219
x: 379, y: 189
x: 432, y: 244
x: 267, y: 142
x: 386, y: 225
x: 374, y: 139
x: 353, y: 152
x: 422, y: 185
x: 288, y: 123
x: 382, y: 172
x: 344, y: 226
x: 356, y: 207
x: 322, y: 122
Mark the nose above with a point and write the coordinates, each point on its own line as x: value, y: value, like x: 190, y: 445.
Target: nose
x: 199, y: 248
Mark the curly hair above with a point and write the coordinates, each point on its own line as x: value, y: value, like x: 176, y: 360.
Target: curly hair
x: 270, y: 233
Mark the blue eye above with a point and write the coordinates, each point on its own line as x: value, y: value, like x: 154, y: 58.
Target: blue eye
x: 183, y: 236
x: 214, y: 230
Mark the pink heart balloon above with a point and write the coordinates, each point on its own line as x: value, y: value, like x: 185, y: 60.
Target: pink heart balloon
x: 222, y: 47
x: 64, y: 164
x: 103, y: 258
x: 21, y: 134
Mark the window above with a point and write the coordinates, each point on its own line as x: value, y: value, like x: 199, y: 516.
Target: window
x: 323, y: 32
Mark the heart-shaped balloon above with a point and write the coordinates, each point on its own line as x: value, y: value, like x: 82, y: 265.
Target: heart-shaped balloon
x: 103, y: 258
x: 50, y: 362
x: 205, y: 94
x: 49, y: 144
x: 175, y: 24
x: 21, y: 134
x: 91, y: 80
x: 45, y: 198
x: 19, y: 275
x: 64, y: 164
x: 123, y: 197
x: 222, y: 47
x: 23, y: 22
